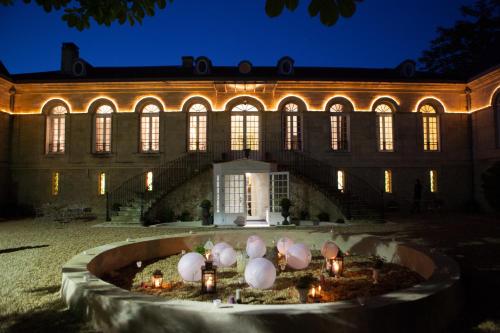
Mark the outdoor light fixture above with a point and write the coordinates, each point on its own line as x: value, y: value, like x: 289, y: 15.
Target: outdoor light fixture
x: 281, y: 261
x: 208, y: 278
x: 336, y: 265
x: 157, y: 279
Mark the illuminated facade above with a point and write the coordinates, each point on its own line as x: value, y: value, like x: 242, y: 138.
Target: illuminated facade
x: 70, y: 136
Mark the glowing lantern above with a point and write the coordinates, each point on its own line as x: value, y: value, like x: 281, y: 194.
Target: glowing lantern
x: 329, y: 250
x: 336, y: 265
x: 298, y: 256
x: 284, y: 244
x: 189, y: 267
x: 217, y: 250
x: 260, y: 273
x: 208, y: 278
x: 157, y: 279
x: 227, y: 257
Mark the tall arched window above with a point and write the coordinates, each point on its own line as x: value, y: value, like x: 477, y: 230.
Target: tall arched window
x: 56, y: 130
x: 244, y: 127
x: 430, y: 126
x: 103, y: 128
x: 338, y: 128
x: 385, y: 127
x: 292, y: 127
x: 198, y: 127
x: 150, y: 128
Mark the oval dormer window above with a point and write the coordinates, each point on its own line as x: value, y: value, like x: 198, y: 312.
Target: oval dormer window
x: 79, y: 68
x: 285, y: 66
x: 202, y: 66
x: 245, y: 67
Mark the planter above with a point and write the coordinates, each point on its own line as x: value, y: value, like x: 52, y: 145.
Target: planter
x: 205, y: 214
x: 303, y: 293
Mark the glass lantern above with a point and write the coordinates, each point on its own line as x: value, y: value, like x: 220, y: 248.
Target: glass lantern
x: 208, y: 278
x: 336, y: 265
x: 157, y: 279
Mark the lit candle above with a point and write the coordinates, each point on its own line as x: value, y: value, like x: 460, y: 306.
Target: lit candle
x: 313, y: 292
x: 319, y: 290
x: 335, y: 268
x: 210, y: 284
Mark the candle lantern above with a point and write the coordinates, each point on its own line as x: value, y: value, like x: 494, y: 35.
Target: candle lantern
x: 337, y: 265
x: 157, y: 279
x: 208, y: 278
x: 281, y: 261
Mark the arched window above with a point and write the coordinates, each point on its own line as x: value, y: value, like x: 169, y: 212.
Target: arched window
x: 56, y: 130
x: 244, y: 127
x: 198, y: 127
x: 293, y: 127
x: 103, y: 128
x: 150, y: 128
x: 430, y: 126
x: 385, y: 127
x: 339, y: 127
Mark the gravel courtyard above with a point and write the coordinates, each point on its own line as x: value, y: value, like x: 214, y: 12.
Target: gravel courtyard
x: 32, y: 253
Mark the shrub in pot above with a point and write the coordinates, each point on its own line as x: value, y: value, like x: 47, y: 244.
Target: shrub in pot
x: 303, y: 285
x: 205, y: 211
x: 285, y: 204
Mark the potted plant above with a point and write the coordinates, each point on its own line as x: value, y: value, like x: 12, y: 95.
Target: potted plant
x: 205, y: 211
x: 303, y: 285
x: 285, y: 204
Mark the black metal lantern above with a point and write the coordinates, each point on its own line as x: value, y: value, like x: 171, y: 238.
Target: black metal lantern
x: 208, y: 278
x: 157, y: 279
x: 337, y: 265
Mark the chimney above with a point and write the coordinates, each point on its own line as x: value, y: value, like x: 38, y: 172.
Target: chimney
x: 69, y: 54
x: 187, y: 62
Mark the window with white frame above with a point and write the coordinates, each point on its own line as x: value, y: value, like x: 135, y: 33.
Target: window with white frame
x: 244, y: 128
x: 56, y: 130
x: 338, y: 128
x: 385, y: 127
x: 198, y: 127
x: 430, y: 125
x: 293, y: 127
x: 150, y: 128
x: 341, y: 180
x: 279, y: 182
x: 103, y: 129
x: 234, y: 194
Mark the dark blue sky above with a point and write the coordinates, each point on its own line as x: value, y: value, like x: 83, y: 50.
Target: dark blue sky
x: 380, y: 34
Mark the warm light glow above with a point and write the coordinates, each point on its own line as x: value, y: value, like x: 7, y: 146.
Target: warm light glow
x: 335, y: 268
x: 51, y: 99
x: 416, y: 109
x: 150, y: 128
x: 430, y: 126
x: 244, y: 132
x: 340, y: 180
x: 102, y: 183
x: 55, y: 183
x: 185, y: 100
x: 378, y: 98
x: 338, y: 131
x: 339, y: 96
x: 242, y: 97
x: 313, y: 292
x: 293, y: 129
x: 276, y: 105
x: 107, y: 99
x: 433, y: 182
x: 385, y: 129
x: 149, y: 181
x: 141, y: 98
x: 388, y: 181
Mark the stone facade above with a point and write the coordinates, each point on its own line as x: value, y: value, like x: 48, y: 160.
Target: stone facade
x: 466, y: 120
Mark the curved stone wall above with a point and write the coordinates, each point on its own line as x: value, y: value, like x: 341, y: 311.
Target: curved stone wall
x: 427, y: 307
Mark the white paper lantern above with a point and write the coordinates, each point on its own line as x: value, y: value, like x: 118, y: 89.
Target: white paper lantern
x: 260, y: 273
x: 217, y: 250
x: 256, y: 248
x: 329, y: 250
x: 298, y: 256
x: 189, y: 267
x: 227, y: 257
x: 284, y: 244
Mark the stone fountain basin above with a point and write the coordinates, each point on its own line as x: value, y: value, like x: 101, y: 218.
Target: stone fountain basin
x: 426, y: 307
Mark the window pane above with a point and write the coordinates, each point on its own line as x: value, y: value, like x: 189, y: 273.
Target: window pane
x: 244, y: 107
x: 252, y: 132
x: 385, y: 132
x: 340, y: 180
x: 198, y: 108
x: 102, y: 183
x: 293, y: 137
x: 55, y: 183
x: 149, y: 181
x: 236, y: 132
x: 430, y: 132
x: 388, y: 181
x: 234, y: 195
x: 338, y: 128
x: 433, y: 185
x: 291, y: 107
x: 103, y: 133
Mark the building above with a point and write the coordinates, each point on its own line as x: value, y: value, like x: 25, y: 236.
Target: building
x: 342, y: 141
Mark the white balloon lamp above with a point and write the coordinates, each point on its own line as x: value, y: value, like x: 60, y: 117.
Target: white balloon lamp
x: 256, y: 248
x: 284, y: 244
x: 189, y: 267
x: 260, y: 273
x: 298, y: 256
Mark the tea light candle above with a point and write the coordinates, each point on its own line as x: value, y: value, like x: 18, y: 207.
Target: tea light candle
x: 210, y: 284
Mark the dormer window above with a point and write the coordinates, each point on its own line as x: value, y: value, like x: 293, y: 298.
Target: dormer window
x: 285, y: 66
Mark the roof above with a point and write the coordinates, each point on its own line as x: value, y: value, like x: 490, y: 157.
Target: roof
x: 231, y: 73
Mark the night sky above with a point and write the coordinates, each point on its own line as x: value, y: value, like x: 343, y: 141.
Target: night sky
x: 380, y: 34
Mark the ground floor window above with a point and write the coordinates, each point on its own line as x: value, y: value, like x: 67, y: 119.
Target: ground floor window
x: 55, y: 183
x: 433, y: 181
x: 234, y: 194
x: 102, y: 184
x: 279, y: 190
x: 149, y: 181
x: 341, y: 180
x: 388, y: 181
